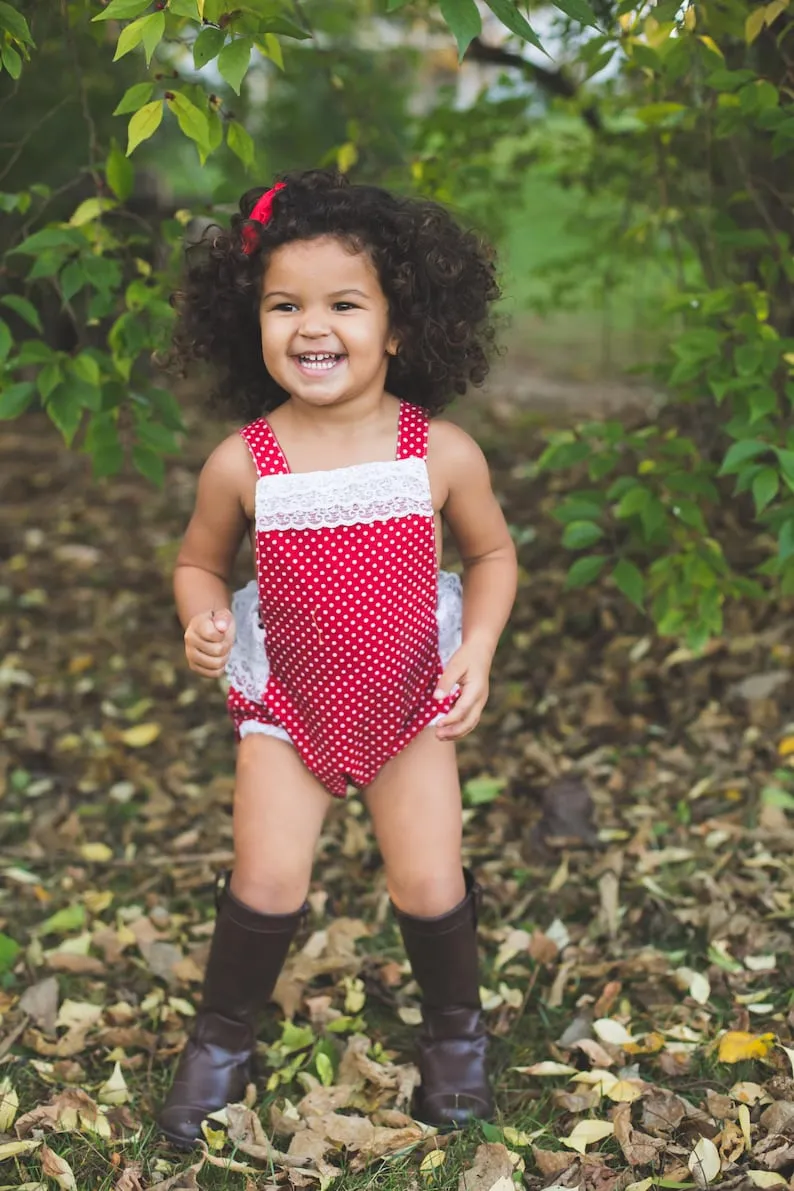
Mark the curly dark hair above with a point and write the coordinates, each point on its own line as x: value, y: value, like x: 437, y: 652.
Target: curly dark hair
x: 438, y: 278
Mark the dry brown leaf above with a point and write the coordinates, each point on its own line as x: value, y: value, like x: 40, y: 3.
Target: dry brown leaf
x: 69, y: 1111
x: 595, y: 1052
x: 492, y: 1162
x: 246, y: 1132
x: 639, y: 1149
x: 40, y: 1002
x: 57, y: 1168
x: 130, y: 1179
x: 552, y: 1162
x: 779, y: 1118
x: 183, y: 1180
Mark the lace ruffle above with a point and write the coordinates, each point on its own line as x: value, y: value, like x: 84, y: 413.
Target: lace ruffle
x: 248, y: 668
x: 356, y: 495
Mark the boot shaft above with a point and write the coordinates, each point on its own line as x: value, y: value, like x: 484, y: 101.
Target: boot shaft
x: 443, y: 952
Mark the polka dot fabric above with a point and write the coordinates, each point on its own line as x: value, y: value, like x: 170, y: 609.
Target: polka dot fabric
x: 349, y: 613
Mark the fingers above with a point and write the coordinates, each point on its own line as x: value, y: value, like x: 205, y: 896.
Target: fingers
x: 464, y: 716
x: 208, y: 641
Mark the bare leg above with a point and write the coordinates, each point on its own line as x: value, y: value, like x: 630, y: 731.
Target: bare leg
x: 279, y: 808
x: 416, y: 814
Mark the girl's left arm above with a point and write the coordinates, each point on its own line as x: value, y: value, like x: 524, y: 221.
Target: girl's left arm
x: 490, y: 569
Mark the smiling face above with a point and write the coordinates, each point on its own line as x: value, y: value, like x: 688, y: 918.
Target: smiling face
x: 324, y: 320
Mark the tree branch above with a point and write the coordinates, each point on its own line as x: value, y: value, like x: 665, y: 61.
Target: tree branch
x: 553, y: 81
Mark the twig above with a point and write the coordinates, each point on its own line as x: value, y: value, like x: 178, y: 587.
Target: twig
x: 31, y: 133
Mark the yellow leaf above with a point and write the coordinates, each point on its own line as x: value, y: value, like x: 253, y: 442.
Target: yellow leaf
x: 114, y: 1090
x: 80, y: 663
x: 141, y: 735
x: 9, y: 1103
x: 56, y: 1167
x: 711, y: 44
x: 546, y: 1068
x: 97, y: 852
x: 346, y: 157
x: 744, y: 1124
x: 216, y: 1138
x: 704, y: 1161
x: 587, y: 1133
x: 748, y: 1093
x: 737, y: 1045
x: 515, y: 1137
x: 651, y: 1044
x: 766, y: 1178
x: 754, y: 24
x: 642, y: 1185
x: 625, y: 1091
x: 690, y: 18
x: 432, y: 1161
x: 786, y: 746
x: 13, y: 1149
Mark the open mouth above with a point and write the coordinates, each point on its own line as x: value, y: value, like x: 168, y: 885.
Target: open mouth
x: 318, y: 361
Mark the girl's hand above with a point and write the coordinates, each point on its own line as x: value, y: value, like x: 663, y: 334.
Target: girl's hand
x: 469, y: 667
x: 208, y: 639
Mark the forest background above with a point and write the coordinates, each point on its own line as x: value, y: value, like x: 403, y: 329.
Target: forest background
x: 629, y: 794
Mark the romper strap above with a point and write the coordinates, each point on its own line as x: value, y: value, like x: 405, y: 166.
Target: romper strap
x: 267, y: 454
x: 412, y: 433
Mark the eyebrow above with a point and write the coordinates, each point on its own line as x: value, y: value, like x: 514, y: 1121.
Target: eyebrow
x: 281, y: 293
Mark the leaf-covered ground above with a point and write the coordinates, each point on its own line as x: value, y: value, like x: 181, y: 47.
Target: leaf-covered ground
x: 630, y: 814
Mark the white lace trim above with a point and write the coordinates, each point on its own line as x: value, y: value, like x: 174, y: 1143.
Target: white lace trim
x: 248, y: 668
x: 357, y: 495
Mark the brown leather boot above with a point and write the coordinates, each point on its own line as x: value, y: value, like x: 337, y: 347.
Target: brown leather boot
x: 246, y: 956
x: 453, y: 1044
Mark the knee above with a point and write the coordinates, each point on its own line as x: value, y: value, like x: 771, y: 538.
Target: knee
x: 271, y: 891
x: 427, y: 894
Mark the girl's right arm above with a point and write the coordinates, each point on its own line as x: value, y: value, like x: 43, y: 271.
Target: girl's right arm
x: 206, y: 558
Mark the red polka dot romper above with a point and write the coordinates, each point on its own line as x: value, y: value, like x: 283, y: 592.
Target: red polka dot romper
x: 348, y: 594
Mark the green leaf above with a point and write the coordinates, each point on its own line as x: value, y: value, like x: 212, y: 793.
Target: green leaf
x: 144, y: 124
x: 149, y: 464
x: 233, y: 62
x: 578, y: 10
x: 72, y: 280
x: 785, y: 542
x: 120, y: 173
x: 191, y: 120
x: 580, y: 534
x: 65, y: 409
x: 62, y: 921
x: 61, y: 238
x: 48, y: 379
x: 507, y: 12
x: 9, y: 950
x: 463, y: 18
x: 130, y: 37
x: 122, y: 10
x: 241, y: 143
x: 133, y: 99
x: 89, y: 210
x: 85, y: 368
x: 739, y: 453
x: 207, y: 46
x: 15, y: 24
x: 765, y: 486
x: 15, y: 399
x: 24, y: 309
x: 630, y: 581
x: 6, y: 339
x: 325, y: 1069
x: 11, y: 60
x: 478, y: 791
x: 152, y: 34
x: 585, y: 570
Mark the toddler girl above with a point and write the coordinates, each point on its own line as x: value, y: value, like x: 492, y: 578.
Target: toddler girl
x: 340, y: 319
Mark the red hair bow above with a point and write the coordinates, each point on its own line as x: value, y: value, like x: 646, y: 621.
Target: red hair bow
x: 261, y: 214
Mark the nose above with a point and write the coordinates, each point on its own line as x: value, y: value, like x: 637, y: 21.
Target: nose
x: 314, y: 324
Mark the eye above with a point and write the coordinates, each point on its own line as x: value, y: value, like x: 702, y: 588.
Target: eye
x: 345, y: 306
x: 288, y: 306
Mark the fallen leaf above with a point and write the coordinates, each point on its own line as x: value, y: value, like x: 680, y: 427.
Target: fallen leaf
x: 766, y: 1178
x: 9, y: 1104
x: 611, y: 1031
x: 492, y: 1164
x: 40, y: 1001
x: 704, y: 1162
x: 587, y: 1133
x: 55, y: 1167
x: 141, y: 735
x: 546, y: 1068
x: 15, y: 1149
x: 114, y: 1090
x: 96, y: 852
x: 737, y: 1045
x: 639, y: 1149
x: 432, y: 1161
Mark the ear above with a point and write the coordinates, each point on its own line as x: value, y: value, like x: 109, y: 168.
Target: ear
x: 393, y: 346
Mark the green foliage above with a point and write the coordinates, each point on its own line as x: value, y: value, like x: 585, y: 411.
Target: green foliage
x: 681, y: 154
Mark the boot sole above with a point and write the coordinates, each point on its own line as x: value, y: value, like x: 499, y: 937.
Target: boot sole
x: 179, y: 1143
